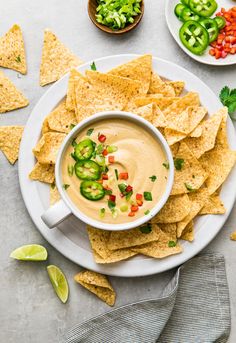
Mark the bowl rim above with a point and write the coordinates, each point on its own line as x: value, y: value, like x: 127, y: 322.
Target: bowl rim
x: 146, y: 125
x: 108, y: 30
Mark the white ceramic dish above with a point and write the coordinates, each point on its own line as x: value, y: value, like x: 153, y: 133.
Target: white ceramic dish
x: 65, y: 207
x: 174, y: 25
x: 70, y: 238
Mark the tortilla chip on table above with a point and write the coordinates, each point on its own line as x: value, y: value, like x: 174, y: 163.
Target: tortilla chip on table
x: 10, y: 97
x: 10, y: 138
x: 56, y: 59
x: 98, y: 284
x: 12, y: 50
x: 47, y: 148
x: 43, y: 172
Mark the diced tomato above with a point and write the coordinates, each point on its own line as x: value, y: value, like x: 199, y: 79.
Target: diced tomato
x: 129, y: 188
x: 217, y: 54
x: 139, y: 196
x: 112, y: 198
x: 232, y: 51
x: 224, y: 54
x: 139, y: 202
x: 134, y: 208
x: 105, y: 152
x: 123, y: 176
x: 212, y: 52
x: 104, y: 176
x: 131, y: 214
x: 111, y: 159
x: 102, y: 138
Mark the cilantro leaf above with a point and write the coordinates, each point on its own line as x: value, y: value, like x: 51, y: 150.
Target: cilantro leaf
x: 93, y: 66
x: 146, y: 229
x: 179, y: 163
x: 224, y: 93
x: 153, y: 178
x: 228, y: 98
x: 171, y: 244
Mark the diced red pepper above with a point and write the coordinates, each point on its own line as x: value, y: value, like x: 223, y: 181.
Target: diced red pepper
x: 123, y: 176
x: 134, y: 208
x: 111, y: 159
x: 112, y: 198
x: 129, y: 189
x: 232, y: 51
x: 105, y: 152
x: 139, y: 196
x: 104, y: 176
x: 212, y: 52
x: 102, y: 138
x: 131, y: 214
x: 224, y: 54
x: 139, y: 202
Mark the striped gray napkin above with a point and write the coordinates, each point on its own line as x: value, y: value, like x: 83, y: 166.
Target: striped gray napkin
x: 194, y: 308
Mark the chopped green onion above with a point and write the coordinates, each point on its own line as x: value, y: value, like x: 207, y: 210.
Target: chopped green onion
x: 179, y: 163
x: 129, y: 195
x: 122, y: 187
x: 70, y: 170
x: 93, y: 66
x: 114, y: 212
x: 124, y: 207
x: 102, y: 212
x: 111, y: 149
x: 146, y: 229
x: 147, y: 196
x: 166, y: 165
x: 99, y: 149
x: 111, y: 204
x: 189, y: 187
x: 153, y: 178
x: 89, y: 132
x: 116, y: 172
x: 146, y: 212
x: 65, y: 186
x: 171, y: 244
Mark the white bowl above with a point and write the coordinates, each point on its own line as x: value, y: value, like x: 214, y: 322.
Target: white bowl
x: 65, y: 207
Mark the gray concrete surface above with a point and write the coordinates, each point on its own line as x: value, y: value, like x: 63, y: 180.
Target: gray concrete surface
x: 29, y: 310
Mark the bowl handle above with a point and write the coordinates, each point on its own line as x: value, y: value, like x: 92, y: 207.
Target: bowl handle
x: 56, y: 214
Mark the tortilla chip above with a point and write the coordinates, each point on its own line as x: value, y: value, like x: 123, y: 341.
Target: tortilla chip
x: 160, y: 248
x: 174, y: 148
x: 173, y: 136
x: 43, y: 173
x: 190, y: 99
x: 70, y: 97
x: 10, y: 97
x: 103, y: 92
x: 56, y: 59
x: 207, y: 139
x: 221, y: 139
x: 178, y: 123
x: 188, y: 233
x: 175, y: 210
x: 170, y: 230
x: 197, y: 132
x: 177, y: 85
x: 133, y: 237
x: 60, y: 119
x: 97, y: 284
x: 155, y: 83
x: 165, y: 90
x: 213, y: 205
x: 159, y: 120
x: 10, y: 138
x: 233, y: 236
x: 198, y: 199
x: 99, y: 240
x: 219, y: 163
x: 47, y: 148
x: 161, y: 101
x: 192, y: 174
x: 146, y: 112
x: 54, y: 194
x: 12, y: 50
x: 139, y: 69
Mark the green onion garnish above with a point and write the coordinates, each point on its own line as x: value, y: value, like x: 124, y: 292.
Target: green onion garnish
x: 111, y: 149
x: 189, y: 187
x: 171, y: 244
x: 147, y: 196
x: 102, y: 212
x: 179, y: 163
x: 166, y: 165
x: 153, y: 178
x: 116, y: 172
x: 70, y: 170
x: 146, y: 212
x: 89, y: 132
x: 65, y: 186
x: 146, y: 229
x: 93, y: 66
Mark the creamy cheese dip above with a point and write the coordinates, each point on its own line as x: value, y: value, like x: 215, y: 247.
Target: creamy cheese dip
x: 138, y: 153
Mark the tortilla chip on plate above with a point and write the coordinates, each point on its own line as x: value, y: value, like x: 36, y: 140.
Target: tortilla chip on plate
x: 165, y: 90
x: 10, y: 138
x: 197, y: 132
x: 98, y: 284
x: 170, y: 230
x: 99, y: 241
x: 10, y: 97
x: 54, y: 194
x: 47, y: 148
x: 43, y: 173
x: 56, y: 59
x: 103, y: 92
x: 70, y: 97
x: 191, y: 176
x: 177, y: 85
x: 133, y: 237
x: 156, y: 82
x: 159, y: 249
x: 147, y: 112
x: 197, y: 199
x: 12, y: 50
x: 221, y: 138
x: 190, y: 99
x: 206, y: 141
x: 175, y: 210
x: 139, y: 69
x: 188, y: 233
x: 161, y: 101
x: 213, y: 205
x: 60, y: 119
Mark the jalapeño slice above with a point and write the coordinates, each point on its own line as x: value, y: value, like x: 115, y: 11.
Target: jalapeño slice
x: 92, y: 190
x: 87, y: 170
x: 178, y: 10
x: 187, y: 14
x: 220, y: 21
x: 84, y: 150
x: 204, y: 8
x: 194, y: 37
x: 211, y: 27
x: 185, y: 2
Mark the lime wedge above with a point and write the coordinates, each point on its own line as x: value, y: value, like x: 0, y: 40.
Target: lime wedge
x: 59, y: 282
x: 31, y: 252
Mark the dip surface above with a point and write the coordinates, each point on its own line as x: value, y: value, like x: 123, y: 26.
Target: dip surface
x: 138, y: 158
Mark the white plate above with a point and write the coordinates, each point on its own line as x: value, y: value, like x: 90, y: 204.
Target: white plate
x: 174, y: 25
x: 70, y: 238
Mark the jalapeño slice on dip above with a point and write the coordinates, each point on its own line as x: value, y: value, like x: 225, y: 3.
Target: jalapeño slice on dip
x: 118, y: 171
